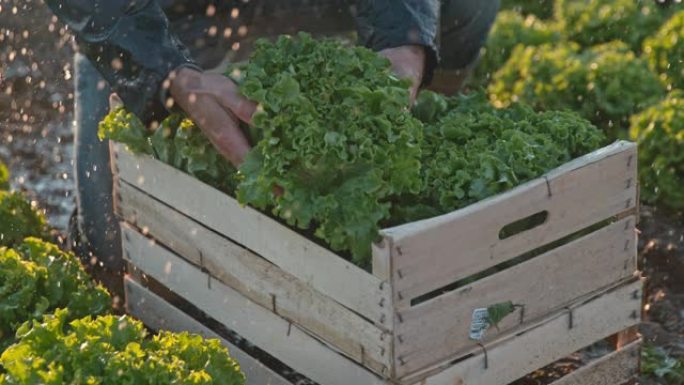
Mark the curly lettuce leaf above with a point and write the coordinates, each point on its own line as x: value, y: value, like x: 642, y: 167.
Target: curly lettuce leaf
x: 337, y: 139
x: 111, y: 350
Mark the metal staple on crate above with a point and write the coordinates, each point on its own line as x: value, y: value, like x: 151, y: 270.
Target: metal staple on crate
x: 522, y: 311
x: 273, y: 304
x: 204, y: 269
x: 363, y: 355
x: 548, y: 185
x: 570, y: 317
x: 486, y: 355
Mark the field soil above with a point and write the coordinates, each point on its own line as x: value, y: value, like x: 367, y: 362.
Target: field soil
x: 36, y: 98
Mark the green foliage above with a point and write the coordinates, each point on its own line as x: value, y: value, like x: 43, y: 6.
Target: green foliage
x: 125, y: 127
x: 176, y: 141
x: 510, y: 30
x: 665, y: 51
x: 337, y: 138
x: 538, y: 8
x: 4, y: 177
x: 657, y: 362
x: 659, y: 131
x: 36, y: 278
x: 605, y: 84
x: 111, y: 350
x: 474, y: 151
x: 591, y: 22
x: 19, y: 219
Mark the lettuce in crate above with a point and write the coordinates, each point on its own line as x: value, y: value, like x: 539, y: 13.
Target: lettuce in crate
x: 177, y: 141
x: 338, y: 139
x: 334, y: 133
x: 472, y: 150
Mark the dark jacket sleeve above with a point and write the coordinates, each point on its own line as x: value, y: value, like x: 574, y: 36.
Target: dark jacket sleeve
x: 130, y: 44
x: 393, y: 23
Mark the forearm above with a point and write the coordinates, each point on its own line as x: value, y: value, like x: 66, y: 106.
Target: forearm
x: 134, y: 60
x: 395, y: 23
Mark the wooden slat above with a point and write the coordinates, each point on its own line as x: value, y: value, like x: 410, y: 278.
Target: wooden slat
x: 160, y: 315
x: 615, y: 368
x: 255, y: 278
x: 435, y: 330
x: 517, y: 355
x: 304, y: 259
x: 433, y: 253
x: 283, y: 340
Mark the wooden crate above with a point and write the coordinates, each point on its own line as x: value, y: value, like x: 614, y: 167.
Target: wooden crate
x: 337, y: 323
x: 615, y: 368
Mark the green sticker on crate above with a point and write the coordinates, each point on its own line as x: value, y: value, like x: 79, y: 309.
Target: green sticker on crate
x: 483, y: 318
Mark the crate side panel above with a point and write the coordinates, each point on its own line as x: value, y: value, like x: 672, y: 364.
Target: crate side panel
x: 255, y: 278
x: 515, y: 356
x: 272, y: 333
x: 430, y: 332
x: 319, y: 267
x: 160, y: 315
x: 618, y: 367
x: 433, y: 253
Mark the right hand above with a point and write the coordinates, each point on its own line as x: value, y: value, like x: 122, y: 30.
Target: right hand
x: 213, y: 102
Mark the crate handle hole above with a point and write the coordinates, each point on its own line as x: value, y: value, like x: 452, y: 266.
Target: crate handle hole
x: 524, y: 224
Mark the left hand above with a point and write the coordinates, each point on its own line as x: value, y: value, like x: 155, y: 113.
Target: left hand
x: 408, y: 61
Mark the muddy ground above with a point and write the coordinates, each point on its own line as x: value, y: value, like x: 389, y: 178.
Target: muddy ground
x: 36, y: 97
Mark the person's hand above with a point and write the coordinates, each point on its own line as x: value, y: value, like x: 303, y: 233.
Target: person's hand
x: 408, y: 61
x: 213, y: 102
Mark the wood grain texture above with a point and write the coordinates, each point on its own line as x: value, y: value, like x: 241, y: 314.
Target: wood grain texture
x: 281, y: 339
x: 430, y: 254
x: 517, y: 355
x: 255, y: 278
x: 160, y: 315
x: 432, y: 331
x: 304, y: 259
